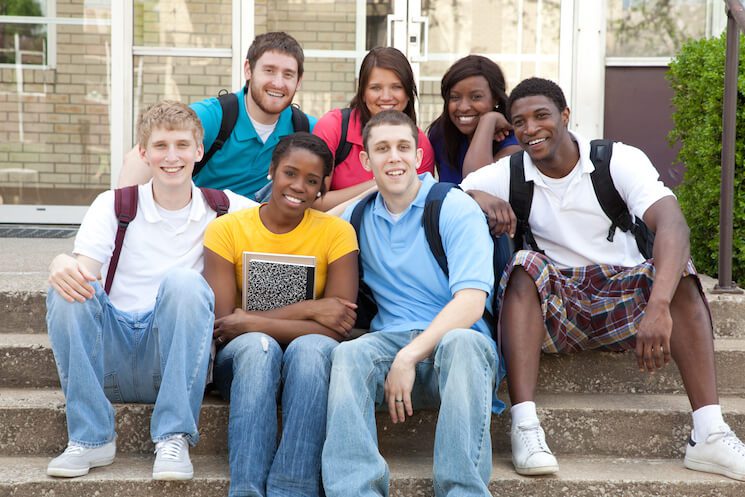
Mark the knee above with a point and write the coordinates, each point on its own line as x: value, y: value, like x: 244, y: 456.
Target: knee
x: 188, y: 286
x: 311, y: 351
x: 689, y: 300
x: 254, y: 352
x: 520, y: 286
x: 350, y: 356
x: 465, y: 346
x: 66, y: 316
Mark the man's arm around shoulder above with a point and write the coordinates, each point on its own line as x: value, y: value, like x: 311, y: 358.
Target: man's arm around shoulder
x: 134, y: 170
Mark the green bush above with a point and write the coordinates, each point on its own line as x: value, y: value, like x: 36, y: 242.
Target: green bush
x: 697, y: 78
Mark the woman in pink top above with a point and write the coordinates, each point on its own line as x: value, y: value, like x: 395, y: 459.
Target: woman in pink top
x: 386, y: 81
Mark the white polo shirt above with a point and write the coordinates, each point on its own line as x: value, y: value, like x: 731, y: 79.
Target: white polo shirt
x: 566, y: 218
x: 152, y: 245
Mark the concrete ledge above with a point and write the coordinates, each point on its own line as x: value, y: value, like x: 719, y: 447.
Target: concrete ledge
x: 411, y: 476
x: 616, y: 425
x: 27, y: 361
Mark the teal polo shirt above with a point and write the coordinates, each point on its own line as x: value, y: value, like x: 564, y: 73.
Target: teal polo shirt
x: 409, y: 287
x: 242, y: 164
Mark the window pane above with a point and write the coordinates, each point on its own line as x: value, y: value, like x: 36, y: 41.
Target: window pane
x: 54, y: 123
x: 23, y: 43
x: 183, y: 23
x: 522, y: 37
x: 653, y: 28
x: 316, y: 24
x: 187, y: 79
x: 327, y: 84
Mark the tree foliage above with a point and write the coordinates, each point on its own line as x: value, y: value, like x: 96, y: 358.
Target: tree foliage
x: 697, y: 78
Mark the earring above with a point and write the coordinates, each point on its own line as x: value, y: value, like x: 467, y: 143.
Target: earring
x: 269, y: 177
x: 318, y: 195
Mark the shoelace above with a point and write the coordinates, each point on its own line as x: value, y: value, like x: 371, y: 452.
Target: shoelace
x: 533, y: 438
x: 728, y: 437
x: 171, y: 448
x: 73, y: 450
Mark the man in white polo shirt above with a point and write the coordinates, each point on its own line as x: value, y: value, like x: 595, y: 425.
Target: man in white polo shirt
x: 149, y: 339
x: 585, y: 283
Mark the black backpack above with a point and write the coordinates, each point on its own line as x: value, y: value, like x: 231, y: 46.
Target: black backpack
x: 366, y: 306
x: 344, y: 147
x: 521, y: 198
x: 229, y: 105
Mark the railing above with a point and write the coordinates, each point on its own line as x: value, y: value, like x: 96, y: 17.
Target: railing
x: 735, y: 23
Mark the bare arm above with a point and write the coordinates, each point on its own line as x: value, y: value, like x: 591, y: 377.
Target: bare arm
x: 466, y: 307
x: 71, y: 277
x: 134, y: 170
x: 492, y: 126
x: 334, y: 198
x: 339, y: 209
x: 671, y: 253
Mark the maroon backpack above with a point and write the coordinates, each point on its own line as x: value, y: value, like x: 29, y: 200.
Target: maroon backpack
x: 125, y: 207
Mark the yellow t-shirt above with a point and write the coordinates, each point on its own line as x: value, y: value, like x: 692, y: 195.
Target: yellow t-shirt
x: 319, y: 234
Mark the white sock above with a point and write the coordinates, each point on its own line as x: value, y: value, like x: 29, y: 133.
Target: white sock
x: 705, y: 420
x: 524, y: 411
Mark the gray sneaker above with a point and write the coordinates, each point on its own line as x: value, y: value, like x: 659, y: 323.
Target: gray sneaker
x: 172, y: 459
x: 77, y: 460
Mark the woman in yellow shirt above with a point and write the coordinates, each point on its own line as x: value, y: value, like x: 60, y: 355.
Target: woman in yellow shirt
x: 286, y: 349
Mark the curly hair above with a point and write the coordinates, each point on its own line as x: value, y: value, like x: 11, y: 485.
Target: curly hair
x: 537, y: 86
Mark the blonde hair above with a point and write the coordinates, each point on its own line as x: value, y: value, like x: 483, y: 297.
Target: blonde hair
x: 170, y: 115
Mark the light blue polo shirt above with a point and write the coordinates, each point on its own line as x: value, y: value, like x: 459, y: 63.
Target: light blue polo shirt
x: 242, y: 164
x: 409, y: 286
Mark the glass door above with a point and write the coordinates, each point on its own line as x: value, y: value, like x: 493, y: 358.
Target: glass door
x: 521, y: 36
x: 55, y: 87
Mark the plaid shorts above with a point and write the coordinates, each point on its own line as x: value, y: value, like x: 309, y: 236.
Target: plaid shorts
x: 591, y: 307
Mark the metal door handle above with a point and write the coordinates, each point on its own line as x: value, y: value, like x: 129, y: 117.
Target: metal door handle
x: 423, y: 55
x: 390, y: 19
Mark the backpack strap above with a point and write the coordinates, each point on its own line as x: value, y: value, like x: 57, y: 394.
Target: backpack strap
x: 367, y: 309
x: 610, y: 200
x: 344, y: 147
x: 229, y: 106
x: 217, y: 200
x: 431, y: 222
x: 521, y: 199
x: 125, y: 208
x: 356, y: 221
x: 300, y: 121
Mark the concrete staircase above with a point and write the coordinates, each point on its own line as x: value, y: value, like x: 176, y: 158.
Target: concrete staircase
x: 616, y: 432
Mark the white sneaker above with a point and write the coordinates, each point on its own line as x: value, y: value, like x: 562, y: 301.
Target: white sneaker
x: 77, y: 460
x: 530, y: 454
x: 721, y: 453
x: 172, y: 459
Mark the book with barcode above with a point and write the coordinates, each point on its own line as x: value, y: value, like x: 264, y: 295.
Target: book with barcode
x: 277, y: 280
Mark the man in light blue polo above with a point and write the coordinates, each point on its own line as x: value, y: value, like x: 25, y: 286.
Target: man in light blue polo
x: 429, y: 328
x: 273, y: 70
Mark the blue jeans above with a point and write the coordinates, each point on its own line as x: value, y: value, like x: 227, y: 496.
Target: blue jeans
x: 157, y: 356
x: 249, y: 371
x: 459, y: 377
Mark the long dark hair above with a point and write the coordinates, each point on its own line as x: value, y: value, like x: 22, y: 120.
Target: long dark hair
x: 471, y: 65
x: 393, y: 60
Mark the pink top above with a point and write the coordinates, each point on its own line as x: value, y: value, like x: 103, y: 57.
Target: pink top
x: 350, y: 172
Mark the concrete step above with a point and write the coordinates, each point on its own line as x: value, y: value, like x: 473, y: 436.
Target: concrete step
x: 23, y: 304
x: 32, y: 422
x: 410, y: 476
x: 28, y: 362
